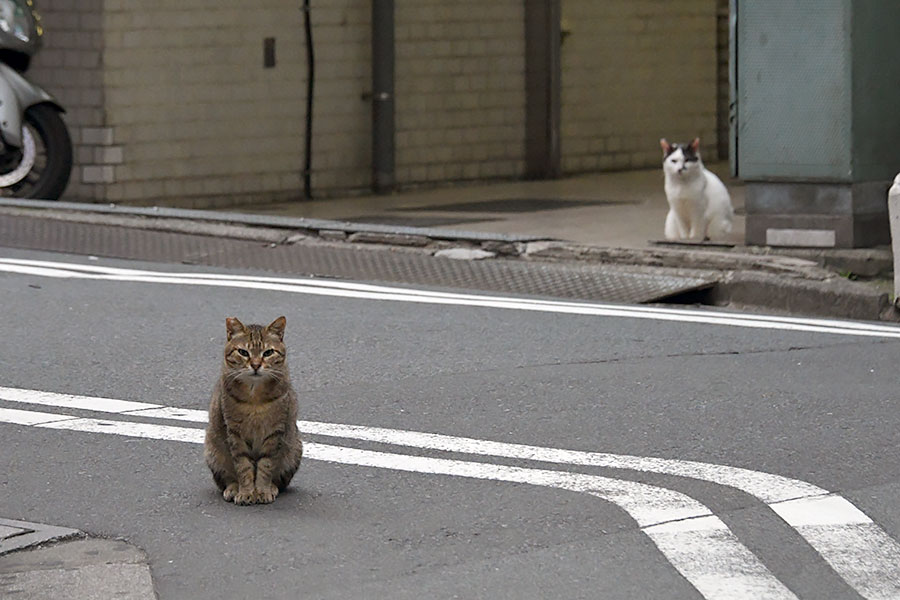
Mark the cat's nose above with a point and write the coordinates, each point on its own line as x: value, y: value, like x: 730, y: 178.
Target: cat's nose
x: 256, y: 364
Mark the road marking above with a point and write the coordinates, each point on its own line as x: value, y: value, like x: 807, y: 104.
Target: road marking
x: 838, y: 530
x: 396, y: 294
x: 832, y: 525
x: 702, y: 548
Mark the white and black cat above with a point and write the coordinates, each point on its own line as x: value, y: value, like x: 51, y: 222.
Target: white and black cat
x: 699, y: 204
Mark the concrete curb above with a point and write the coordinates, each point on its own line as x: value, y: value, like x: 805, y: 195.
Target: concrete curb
x: 58, y: 563
x: 835, y: 297
x: 794, y: 281
x: 678, y: 258
x: 201, y: 217
x: 88, y: 569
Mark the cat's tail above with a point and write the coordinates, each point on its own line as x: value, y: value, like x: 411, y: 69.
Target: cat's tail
x: 720, y: 211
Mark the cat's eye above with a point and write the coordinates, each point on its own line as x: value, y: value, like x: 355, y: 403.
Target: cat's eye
x: 269, y: 352
x: 243, y: 352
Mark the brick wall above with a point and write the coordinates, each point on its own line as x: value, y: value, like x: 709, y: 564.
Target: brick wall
x: 169, y: 101
x: 342, y: 130
x: 69, y: 67
x: 460, y: 88
x: 634, y: 71
x: 189, y: 100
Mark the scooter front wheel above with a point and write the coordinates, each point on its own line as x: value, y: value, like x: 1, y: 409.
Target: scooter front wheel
x: 42, y: 167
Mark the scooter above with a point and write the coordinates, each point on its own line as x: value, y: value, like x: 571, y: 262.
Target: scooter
x: 36, y: 152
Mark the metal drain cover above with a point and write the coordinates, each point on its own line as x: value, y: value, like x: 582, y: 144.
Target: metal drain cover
x: 609, y: 283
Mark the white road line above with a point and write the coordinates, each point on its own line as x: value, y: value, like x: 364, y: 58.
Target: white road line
x: 106, y: 405
x: 359, y: 291
x: 702, y: 548
x: 363, y: 287
x: 27, y: 417
x: 837, y: 529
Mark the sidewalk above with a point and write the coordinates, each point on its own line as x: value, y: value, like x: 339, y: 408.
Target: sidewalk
x: 604, y: 214
x: 620, y: 210
x: 44, y: 562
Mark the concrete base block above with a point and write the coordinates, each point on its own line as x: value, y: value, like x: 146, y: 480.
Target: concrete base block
x: 817, y: 215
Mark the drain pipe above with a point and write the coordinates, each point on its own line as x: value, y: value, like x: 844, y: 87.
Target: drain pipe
x: 310, y: 87
x: 543, y: 42
x: 382, y: 96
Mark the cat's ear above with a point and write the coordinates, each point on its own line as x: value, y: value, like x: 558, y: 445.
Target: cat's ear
x: 234, y: 327
x: 695, y: 145
x: 276, y: 327
x: 666, y: 146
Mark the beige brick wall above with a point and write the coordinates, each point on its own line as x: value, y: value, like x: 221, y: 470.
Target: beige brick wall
x: 169, y: 101
x: 69, y: 67
x: 634, y: 71
x: 342, y: 147
x: 189, y: 101
x: 460, y: 90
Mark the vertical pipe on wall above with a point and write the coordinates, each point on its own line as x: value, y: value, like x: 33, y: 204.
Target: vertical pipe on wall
x: 310, y: 87
x: 382, y: 96
x: 543, y: 41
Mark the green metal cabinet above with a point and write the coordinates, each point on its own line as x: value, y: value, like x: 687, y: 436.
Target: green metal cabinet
x: 816, y: 118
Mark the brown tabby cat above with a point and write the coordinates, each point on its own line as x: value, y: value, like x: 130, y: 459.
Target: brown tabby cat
x: 252, y: 443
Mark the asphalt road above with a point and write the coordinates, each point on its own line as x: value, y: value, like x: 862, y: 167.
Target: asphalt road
x: 377, y: 514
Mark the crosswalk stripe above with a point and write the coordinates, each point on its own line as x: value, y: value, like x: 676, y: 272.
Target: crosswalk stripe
x: 702, y: 548
x: 828, y: 522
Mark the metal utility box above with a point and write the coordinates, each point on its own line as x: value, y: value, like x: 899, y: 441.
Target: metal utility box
x: 816, y: 118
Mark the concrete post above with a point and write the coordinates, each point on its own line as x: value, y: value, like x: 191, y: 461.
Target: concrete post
x: 894, y: 212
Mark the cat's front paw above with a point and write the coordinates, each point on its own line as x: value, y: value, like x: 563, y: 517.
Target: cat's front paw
x: 245, y: 497
x: 230, y: 492
x: 266, y: 495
